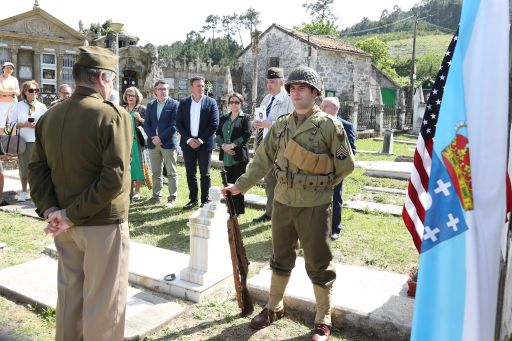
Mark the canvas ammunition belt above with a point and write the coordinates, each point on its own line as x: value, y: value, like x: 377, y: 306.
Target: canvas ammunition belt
x: 306, y: 160
x: 313, y: 183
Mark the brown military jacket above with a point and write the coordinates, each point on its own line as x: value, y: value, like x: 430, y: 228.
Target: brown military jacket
x: 319, y: 136
x: 81, y: 160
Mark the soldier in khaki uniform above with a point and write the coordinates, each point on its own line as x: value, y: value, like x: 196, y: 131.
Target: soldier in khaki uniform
x: 80, y: 182
x: 310, y: 154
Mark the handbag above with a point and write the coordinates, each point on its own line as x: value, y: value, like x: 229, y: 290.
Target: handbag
x: 142, y: 137
x: 12, y: 144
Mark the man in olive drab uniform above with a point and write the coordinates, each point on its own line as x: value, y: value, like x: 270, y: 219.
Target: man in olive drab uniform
x: 276, y: 103
x: 310, y: 154
x: 80, y: 182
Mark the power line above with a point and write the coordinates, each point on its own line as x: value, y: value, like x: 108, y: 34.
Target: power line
x: 440, y: 27
x: 378, y: 27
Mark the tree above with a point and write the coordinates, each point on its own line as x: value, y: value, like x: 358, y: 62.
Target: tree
x: 212, y: 22
x: 381, y: 57
x: 319, y: 27
x: 250, y: 19
x: 231, y: 25
x: 320, y: 9
x: 427, y: 65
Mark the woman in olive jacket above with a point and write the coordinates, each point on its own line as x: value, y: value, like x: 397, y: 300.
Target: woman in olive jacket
x: 232, y: 135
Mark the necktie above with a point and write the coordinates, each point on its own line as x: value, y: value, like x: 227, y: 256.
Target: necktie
x: 259, y: 136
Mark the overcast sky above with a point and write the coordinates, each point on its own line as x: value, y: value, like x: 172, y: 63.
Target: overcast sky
x: 163, y: 22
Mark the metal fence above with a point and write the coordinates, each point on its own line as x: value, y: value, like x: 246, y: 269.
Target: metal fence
x: 391, y: 117
x: 47, y: 98
x: 366, y: 116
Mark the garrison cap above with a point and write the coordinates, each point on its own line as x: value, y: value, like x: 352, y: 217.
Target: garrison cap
x: 96, y: 57
x: 275, y: 72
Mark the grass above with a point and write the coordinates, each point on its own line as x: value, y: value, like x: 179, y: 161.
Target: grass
x: 370, y: 239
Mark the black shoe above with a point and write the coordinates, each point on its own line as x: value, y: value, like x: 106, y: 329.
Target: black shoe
x: 190, y: 205
x: 205, y: 202
x: 264, y: 217
x: 4, y: 203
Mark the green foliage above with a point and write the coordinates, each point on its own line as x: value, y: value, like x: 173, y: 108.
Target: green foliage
x: 427, y: 65
x: 221, y: 50
x: 320, y: 10
x: 319, y: 27
x: 101, y: 29
x: 381, y: 58
x: 437, y: 13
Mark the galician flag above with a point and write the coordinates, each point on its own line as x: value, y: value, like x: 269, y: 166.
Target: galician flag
x: 456, y: 297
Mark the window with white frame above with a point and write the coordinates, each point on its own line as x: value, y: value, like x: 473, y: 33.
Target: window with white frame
x: 5, y: 55
x: 48, y: 72
x: 68, y: 60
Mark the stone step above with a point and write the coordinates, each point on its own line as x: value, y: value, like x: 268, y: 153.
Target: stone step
x: 385, y: 190
x: 372, y: 152
x: 386, y: 169
x: 364, y: 206
x: 380, y: 139
x: 35, y: 282
x: 149, y: 265
x: 368, y: 300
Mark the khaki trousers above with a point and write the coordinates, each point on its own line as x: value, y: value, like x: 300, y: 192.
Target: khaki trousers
x: 311, y: 226
x: 92, y: 282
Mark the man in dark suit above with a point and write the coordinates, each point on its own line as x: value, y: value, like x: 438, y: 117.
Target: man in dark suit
x: 160, y: 126
x: 197, y: 121
x: 331, y: 106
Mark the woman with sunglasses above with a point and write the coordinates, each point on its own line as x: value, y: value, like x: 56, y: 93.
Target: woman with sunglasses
x: 232, y: 135
x: 133, y: 98
x: 25, y: 116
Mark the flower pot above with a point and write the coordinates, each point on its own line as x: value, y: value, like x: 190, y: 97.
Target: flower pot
x: 412, y: 288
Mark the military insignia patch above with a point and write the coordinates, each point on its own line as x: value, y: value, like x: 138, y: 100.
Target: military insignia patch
x: 342, y: 151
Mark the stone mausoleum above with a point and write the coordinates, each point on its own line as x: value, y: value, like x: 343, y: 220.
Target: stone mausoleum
x: 344, y: 68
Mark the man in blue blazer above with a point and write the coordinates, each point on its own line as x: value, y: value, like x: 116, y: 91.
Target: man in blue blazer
x: 331, y: 106
x: 197, y: 121
x: 160, y: 126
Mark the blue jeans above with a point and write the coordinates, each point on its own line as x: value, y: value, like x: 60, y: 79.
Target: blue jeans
x: 337, y: 203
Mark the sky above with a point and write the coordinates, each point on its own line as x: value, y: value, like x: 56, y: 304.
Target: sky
x: 165, y: 21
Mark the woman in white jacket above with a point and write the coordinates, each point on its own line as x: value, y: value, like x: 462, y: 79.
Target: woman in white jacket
x: 25, y: 115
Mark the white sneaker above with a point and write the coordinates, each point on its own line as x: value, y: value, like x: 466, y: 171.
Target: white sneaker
x: 136, y: 197
x: 23, y: 196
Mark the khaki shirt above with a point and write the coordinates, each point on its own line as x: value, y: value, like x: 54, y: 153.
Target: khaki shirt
x: 319, y: 133
x: 81, y: 160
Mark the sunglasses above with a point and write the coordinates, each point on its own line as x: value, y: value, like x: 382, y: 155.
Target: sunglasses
x: 33, y: 91
x: 234, y: 102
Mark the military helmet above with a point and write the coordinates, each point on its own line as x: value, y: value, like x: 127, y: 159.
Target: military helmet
x: 306, y: 75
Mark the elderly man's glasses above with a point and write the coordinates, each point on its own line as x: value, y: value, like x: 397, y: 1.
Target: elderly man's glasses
x: 33, y: 91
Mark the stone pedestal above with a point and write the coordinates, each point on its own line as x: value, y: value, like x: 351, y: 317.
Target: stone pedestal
x: 209, y: 247
x: 387, y: 147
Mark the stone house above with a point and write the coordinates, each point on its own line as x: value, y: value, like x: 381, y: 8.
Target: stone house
x: 41, y: 47
x: 344, y: 68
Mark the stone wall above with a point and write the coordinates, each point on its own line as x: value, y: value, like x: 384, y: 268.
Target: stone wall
x: 344, y: 73
x: 341, y: 72
x: 177, y: 73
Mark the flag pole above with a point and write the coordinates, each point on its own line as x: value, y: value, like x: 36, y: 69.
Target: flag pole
x: 505, y: 301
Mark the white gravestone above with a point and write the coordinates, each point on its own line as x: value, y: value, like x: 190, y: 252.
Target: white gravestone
x: 210, y: 258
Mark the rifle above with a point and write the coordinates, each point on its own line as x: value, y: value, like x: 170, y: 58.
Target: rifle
x: 238, y: 257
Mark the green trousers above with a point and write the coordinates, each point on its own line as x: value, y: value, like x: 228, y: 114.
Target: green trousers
x: 311, y: 226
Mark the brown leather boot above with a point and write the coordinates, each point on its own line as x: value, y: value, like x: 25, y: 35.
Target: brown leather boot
x: 321, y: 332
x: 265, y: 318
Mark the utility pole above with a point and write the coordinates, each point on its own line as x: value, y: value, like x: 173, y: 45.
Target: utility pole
x: 413, y: 60
x: 255, y: 51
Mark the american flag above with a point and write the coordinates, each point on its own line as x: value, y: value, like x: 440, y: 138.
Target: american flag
x: 417, y: 199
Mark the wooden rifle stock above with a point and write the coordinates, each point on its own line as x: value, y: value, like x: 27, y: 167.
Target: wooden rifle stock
x: 238, y: 258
